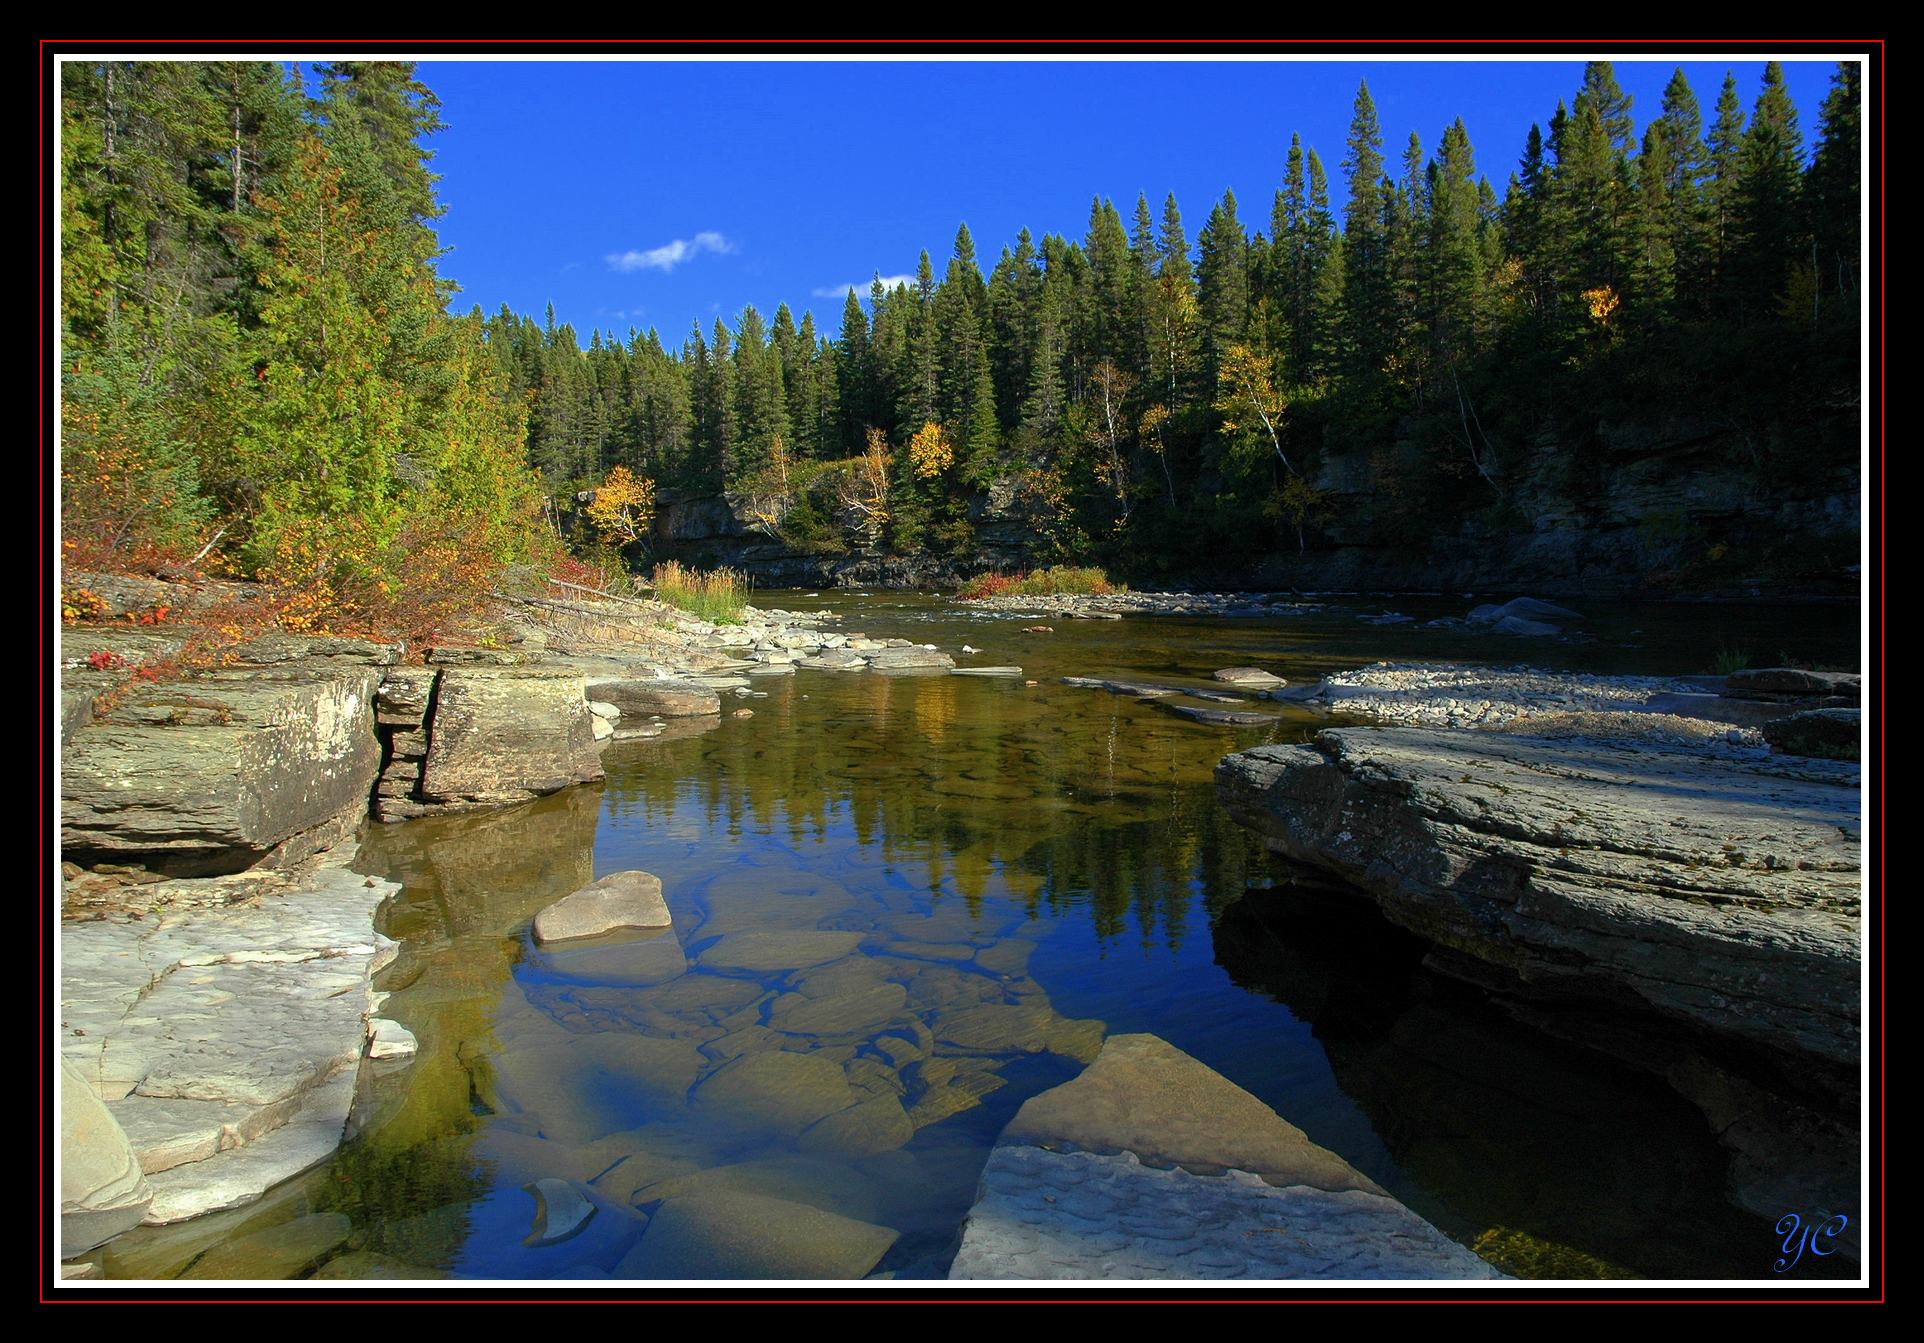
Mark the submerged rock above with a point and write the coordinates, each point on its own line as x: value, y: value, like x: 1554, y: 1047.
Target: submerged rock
x: 560, y: 1212
x: 1220, y: 717
x: 734, y: 1234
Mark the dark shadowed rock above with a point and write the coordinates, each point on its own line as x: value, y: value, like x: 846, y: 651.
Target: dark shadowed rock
x: 1832, y: 734
x: 1792, y: 681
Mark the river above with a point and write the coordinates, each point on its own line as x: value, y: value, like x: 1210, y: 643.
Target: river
x: 868, y: 859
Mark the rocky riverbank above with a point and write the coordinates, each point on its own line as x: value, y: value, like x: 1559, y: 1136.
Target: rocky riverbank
x: 1115, y: 605
x: 207, y: 821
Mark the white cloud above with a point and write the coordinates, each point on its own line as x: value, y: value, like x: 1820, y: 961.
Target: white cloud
x: 669, y: 255
x: 861, y: 290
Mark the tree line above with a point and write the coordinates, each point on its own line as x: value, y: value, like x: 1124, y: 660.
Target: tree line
x: 253, y: 312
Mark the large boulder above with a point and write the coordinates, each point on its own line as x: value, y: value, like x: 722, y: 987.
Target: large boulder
x: 505, y: 735
x: 215, y: 773
x: 102, y: 1189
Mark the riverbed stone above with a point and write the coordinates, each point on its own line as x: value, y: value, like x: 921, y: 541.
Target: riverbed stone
x: 878, y: 1124
x: 103, y: 1191
x: 1047, y: 1215
x: 1254, y: 677
x: 560, y: 1212
x: 903, y: 659
x: 776, y: 1090
x: 758, y: 952
x: 798, y: 1014
x: 371, y: 1266
x: 629, y: 899
x: 1152, y: 1165
x: 1220, y: 717
x: 578, y: 1088
x: 1018, y: 1028
x: 640, y: 958
x: 736, y: 1234
x: 275, y: 1252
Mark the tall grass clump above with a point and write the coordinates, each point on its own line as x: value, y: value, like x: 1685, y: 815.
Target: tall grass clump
x: 719, y: 595
x: 1059, y: 581
x: 1729, y: 660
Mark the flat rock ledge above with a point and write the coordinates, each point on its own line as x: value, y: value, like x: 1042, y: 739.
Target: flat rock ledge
x: 226, y: 1041
x: 1715, y: 891
x: 1150, y: 1166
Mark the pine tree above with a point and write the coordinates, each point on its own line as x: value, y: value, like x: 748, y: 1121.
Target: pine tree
x: 1366, y: 294
x: 1831, y: 186
x: 1222, y: 276
x: 1723, y: 181
x: 1771, y: 235
x: 1679, y: 132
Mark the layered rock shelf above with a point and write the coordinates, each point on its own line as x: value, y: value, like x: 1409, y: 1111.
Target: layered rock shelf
x: 1599, y: 883
x: 225, y: 1039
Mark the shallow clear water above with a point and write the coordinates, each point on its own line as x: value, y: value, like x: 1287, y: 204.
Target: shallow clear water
x: 904, y: 904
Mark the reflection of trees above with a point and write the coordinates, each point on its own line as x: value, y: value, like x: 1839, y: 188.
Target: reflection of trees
x: 470, y: 884
x: 970, y: 789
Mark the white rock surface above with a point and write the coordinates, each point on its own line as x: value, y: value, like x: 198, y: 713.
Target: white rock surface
x: 227, y: 1039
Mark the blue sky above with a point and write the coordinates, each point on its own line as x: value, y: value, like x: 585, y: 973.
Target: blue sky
x: 657, y: 193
